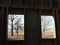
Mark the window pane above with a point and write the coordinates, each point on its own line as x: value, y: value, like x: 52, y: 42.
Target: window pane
x: 48, y: 27
x: 15, y: 27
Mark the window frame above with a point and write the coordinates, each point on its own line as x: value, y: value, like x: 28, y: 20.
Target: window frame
x: 50, y: 14
x: 22, y: 12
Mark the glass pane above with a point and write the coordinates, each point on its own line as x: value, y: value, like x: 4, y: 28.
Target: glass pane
x: 15, y: 27
x: 48, y: 27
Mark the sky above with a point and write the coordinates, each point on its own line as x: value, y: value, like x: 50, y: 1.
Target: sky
x: 47, y: 19
x: 44, y: 20
x: 15, y: 20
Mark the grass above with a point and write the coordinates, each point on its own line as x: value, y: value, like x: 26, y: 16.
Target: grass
x: 20, y: 35
x: 48, y: 34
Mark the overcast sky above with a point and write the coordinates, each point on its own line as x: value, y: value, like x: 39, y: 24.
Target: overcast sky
x: 16, y: 19
x: 46, y: 19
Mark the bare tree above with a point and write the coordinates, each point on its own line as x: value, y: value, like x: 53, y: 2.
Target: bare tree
x: 45, y: 22
x: 17, y: 24
x: 11, y: 19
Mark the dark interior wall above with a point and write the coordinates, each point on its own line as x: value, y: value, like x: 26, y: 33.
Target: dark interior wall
x: 49, y: 42
x: 58, y: 26
x: 16, y: 2
x: 45, y: 12
x: 46, y: 3
x: 32, y: 27
x: 39, y: 3
x: 4, y: 2
x: 55, y: 3
x: 4, y: 29
x: 15, y: 11
x: 1, y: 25
x: 27, y: 2
x: 32, y: 20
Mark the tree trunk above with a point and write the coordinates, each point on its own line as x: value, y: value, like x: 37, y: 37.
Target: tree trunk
x: 43, y: 29
x: 12, y: 29
x: 17, y: 30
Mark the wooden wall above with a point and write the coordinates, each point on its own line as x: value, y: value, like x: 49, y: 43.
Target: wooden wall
x: 32, y: 10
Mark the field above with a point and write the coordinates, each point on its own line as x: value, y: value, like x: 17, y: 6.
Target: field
x: 48, y: 34
x: 15, y: 37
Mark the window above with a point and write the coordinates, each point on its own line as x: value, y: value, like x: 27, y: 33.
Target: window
x: 15, y: 27
x: 48, y: 27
